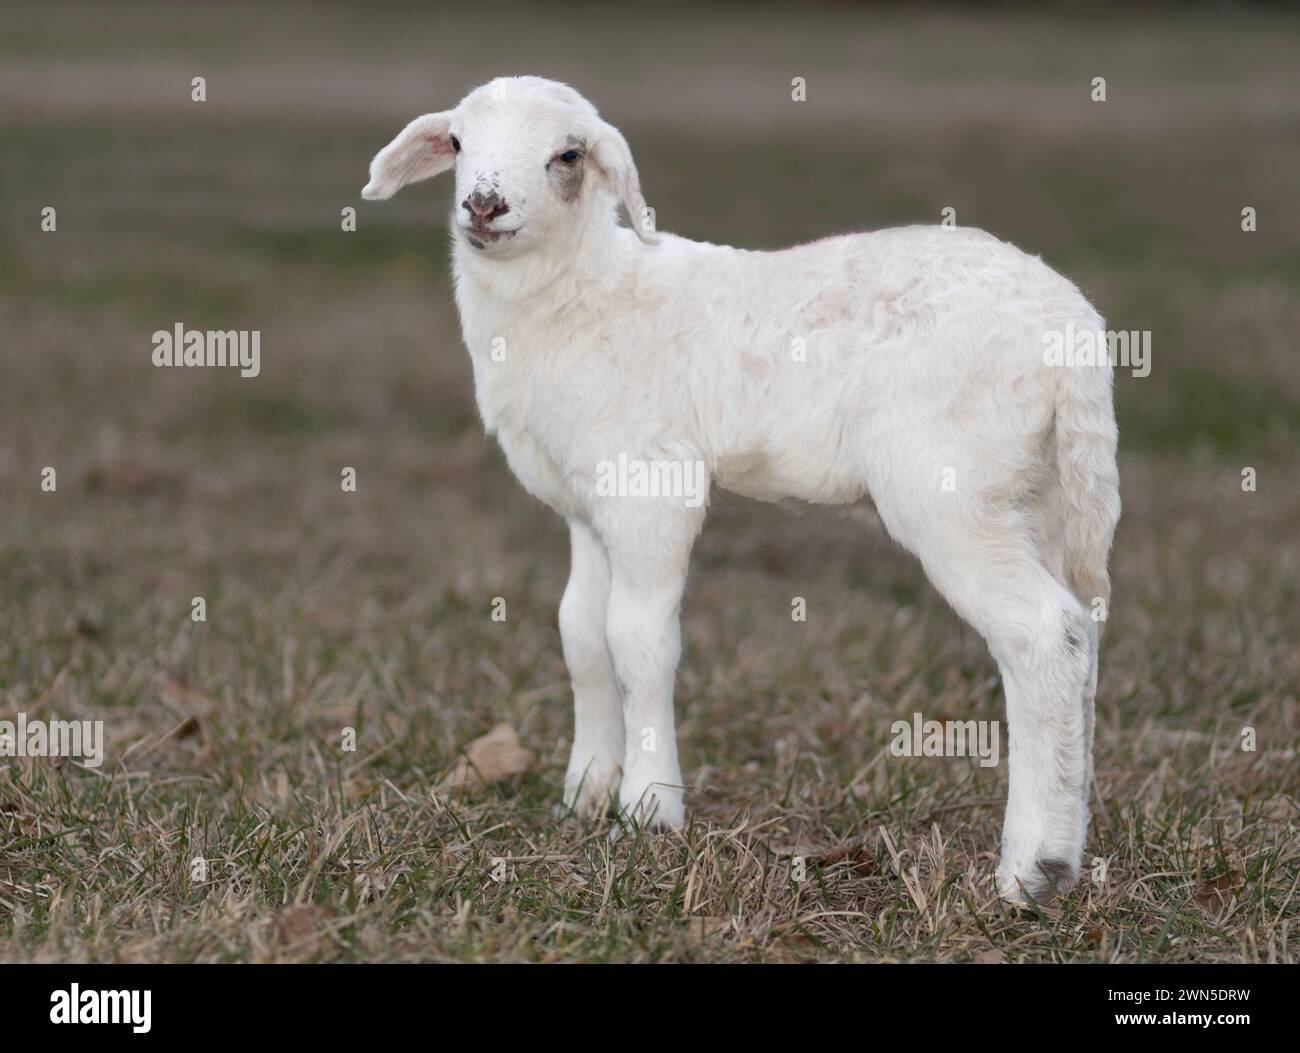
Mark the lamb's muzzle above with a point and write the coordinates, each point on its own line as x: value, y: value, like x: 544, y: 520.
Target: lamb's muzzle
x: 485, y: 206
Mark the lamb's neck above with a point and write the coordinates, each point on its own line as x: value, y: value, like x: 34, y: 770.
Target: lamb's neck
x: 594, y: 265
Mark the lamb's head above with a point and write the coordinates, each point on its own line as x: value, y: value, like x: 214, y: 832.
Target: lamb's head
x: 535, y: 166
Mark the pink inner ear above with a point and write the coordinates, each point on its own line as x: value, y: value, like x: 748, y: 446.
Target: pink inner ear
x: 439, y: 145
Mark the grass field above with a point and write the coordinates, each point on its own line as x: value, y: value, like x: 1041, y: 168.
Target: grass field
x: 371, y: 610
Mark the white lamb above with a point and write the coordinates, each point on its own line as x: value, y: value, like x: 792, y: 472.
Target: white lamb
x: 905, y: 367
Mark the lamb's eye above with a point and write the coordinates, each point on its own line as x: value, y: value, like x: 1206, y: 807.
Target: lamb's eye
x: 455, y: 144
x: 569, y: 156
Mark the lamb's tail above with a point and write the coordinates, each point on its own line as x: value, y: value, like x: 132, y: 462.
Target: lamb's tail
x: 1086, y: 440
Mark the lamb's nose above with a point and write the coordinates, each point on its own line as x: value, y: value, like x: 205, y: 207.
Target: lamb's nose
x: 485, y: 206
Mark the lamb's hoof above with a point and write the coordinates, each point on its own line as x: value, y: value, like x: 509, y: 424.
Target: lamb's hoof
x: 588, y: 793
x: 1042, y: 882
x: 562, y: 812
x: 657, y: 806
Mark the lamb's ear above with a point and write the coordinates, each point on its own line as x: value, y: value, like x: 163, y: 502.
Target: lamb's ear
x: 423, y: 149
x: 613, y: 159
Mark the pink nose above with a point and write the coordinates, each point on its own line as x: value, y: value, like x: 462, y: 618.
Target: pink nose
x: 485, y: 206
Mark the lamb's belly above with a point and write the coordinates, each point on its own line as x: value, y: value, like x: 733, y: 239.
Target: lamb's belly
x: 817, y: 476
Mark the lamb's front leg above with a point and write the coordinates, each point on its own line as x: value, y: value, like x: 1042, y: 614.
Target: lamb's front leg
x: 592, y: 776
x: 644, y: 632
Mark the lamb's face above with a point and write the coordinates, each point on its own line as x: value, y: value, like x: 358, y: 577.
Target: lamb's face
x: 522, y: 158
x: 534, y: 166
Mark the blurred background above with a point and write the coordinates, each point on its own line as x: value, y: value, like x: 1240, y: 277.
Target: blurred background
x: 328, y: 609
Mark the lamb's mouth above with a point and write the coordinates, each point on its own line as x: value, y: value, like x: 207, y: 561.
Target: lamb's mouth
x: 481, y: 237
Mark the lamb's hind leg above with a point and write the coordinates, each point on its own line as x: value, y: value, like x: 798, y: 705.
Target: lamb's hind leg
x: 1046, y: 675
x: 1049, y: 522
x: 1042, y: 640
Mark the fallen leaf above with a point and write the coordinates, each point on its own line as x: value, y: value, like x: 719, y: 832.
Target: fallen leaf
x: 855, y: 853
x: 1218, y: 890
x: 701, y: 926
x: 181, y: 696
x: 490, y: 758
x: 297, y: 931
x: 358, y: 788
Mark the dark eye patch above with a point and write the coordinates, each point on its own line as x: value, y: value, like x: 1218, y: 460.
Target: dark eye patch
x: 565, y: 169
